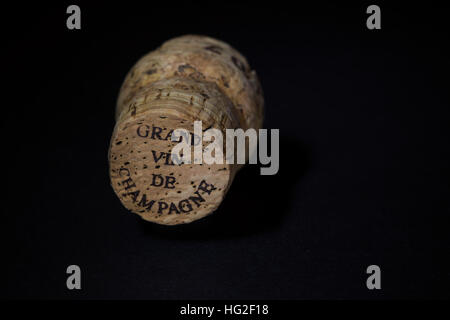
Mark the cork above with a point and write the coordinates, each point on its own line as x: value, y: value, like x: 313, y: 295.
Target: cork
x: 189, y: 78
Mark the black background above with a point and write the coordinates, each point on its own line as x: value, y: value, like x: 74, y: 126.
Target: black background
x: 364, y: 163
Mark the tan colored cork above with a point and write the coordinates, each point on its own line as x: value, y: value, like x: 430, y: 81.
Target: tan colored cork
x: 187, y: 79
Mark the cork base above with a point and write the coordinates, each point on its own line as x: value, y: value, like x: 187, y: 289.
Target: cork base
x: 150, y: 184
x: 142, y: 172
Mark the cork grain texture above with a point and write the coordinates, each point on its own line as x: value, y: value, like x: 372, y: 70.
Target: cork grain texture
x: 189, y: 78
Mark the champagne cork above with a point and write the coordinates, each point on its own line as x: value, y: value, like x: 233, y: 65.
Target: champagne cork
x: 189, y: 78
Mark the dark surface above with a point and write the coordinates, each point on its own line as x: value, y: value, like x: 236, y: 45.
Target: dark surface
x: 365, y: 161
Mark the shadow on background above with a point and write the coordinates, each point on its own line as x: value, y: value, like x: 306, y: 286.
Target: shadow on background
x: 253, y: 204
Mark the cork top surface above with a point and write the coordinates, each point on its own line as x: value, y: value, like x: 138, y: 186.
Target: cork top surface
x: 205, y: 59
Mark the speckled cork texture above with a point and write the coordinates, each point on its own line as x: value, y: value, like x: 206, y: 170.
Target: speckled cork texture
x: 187, y: 79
